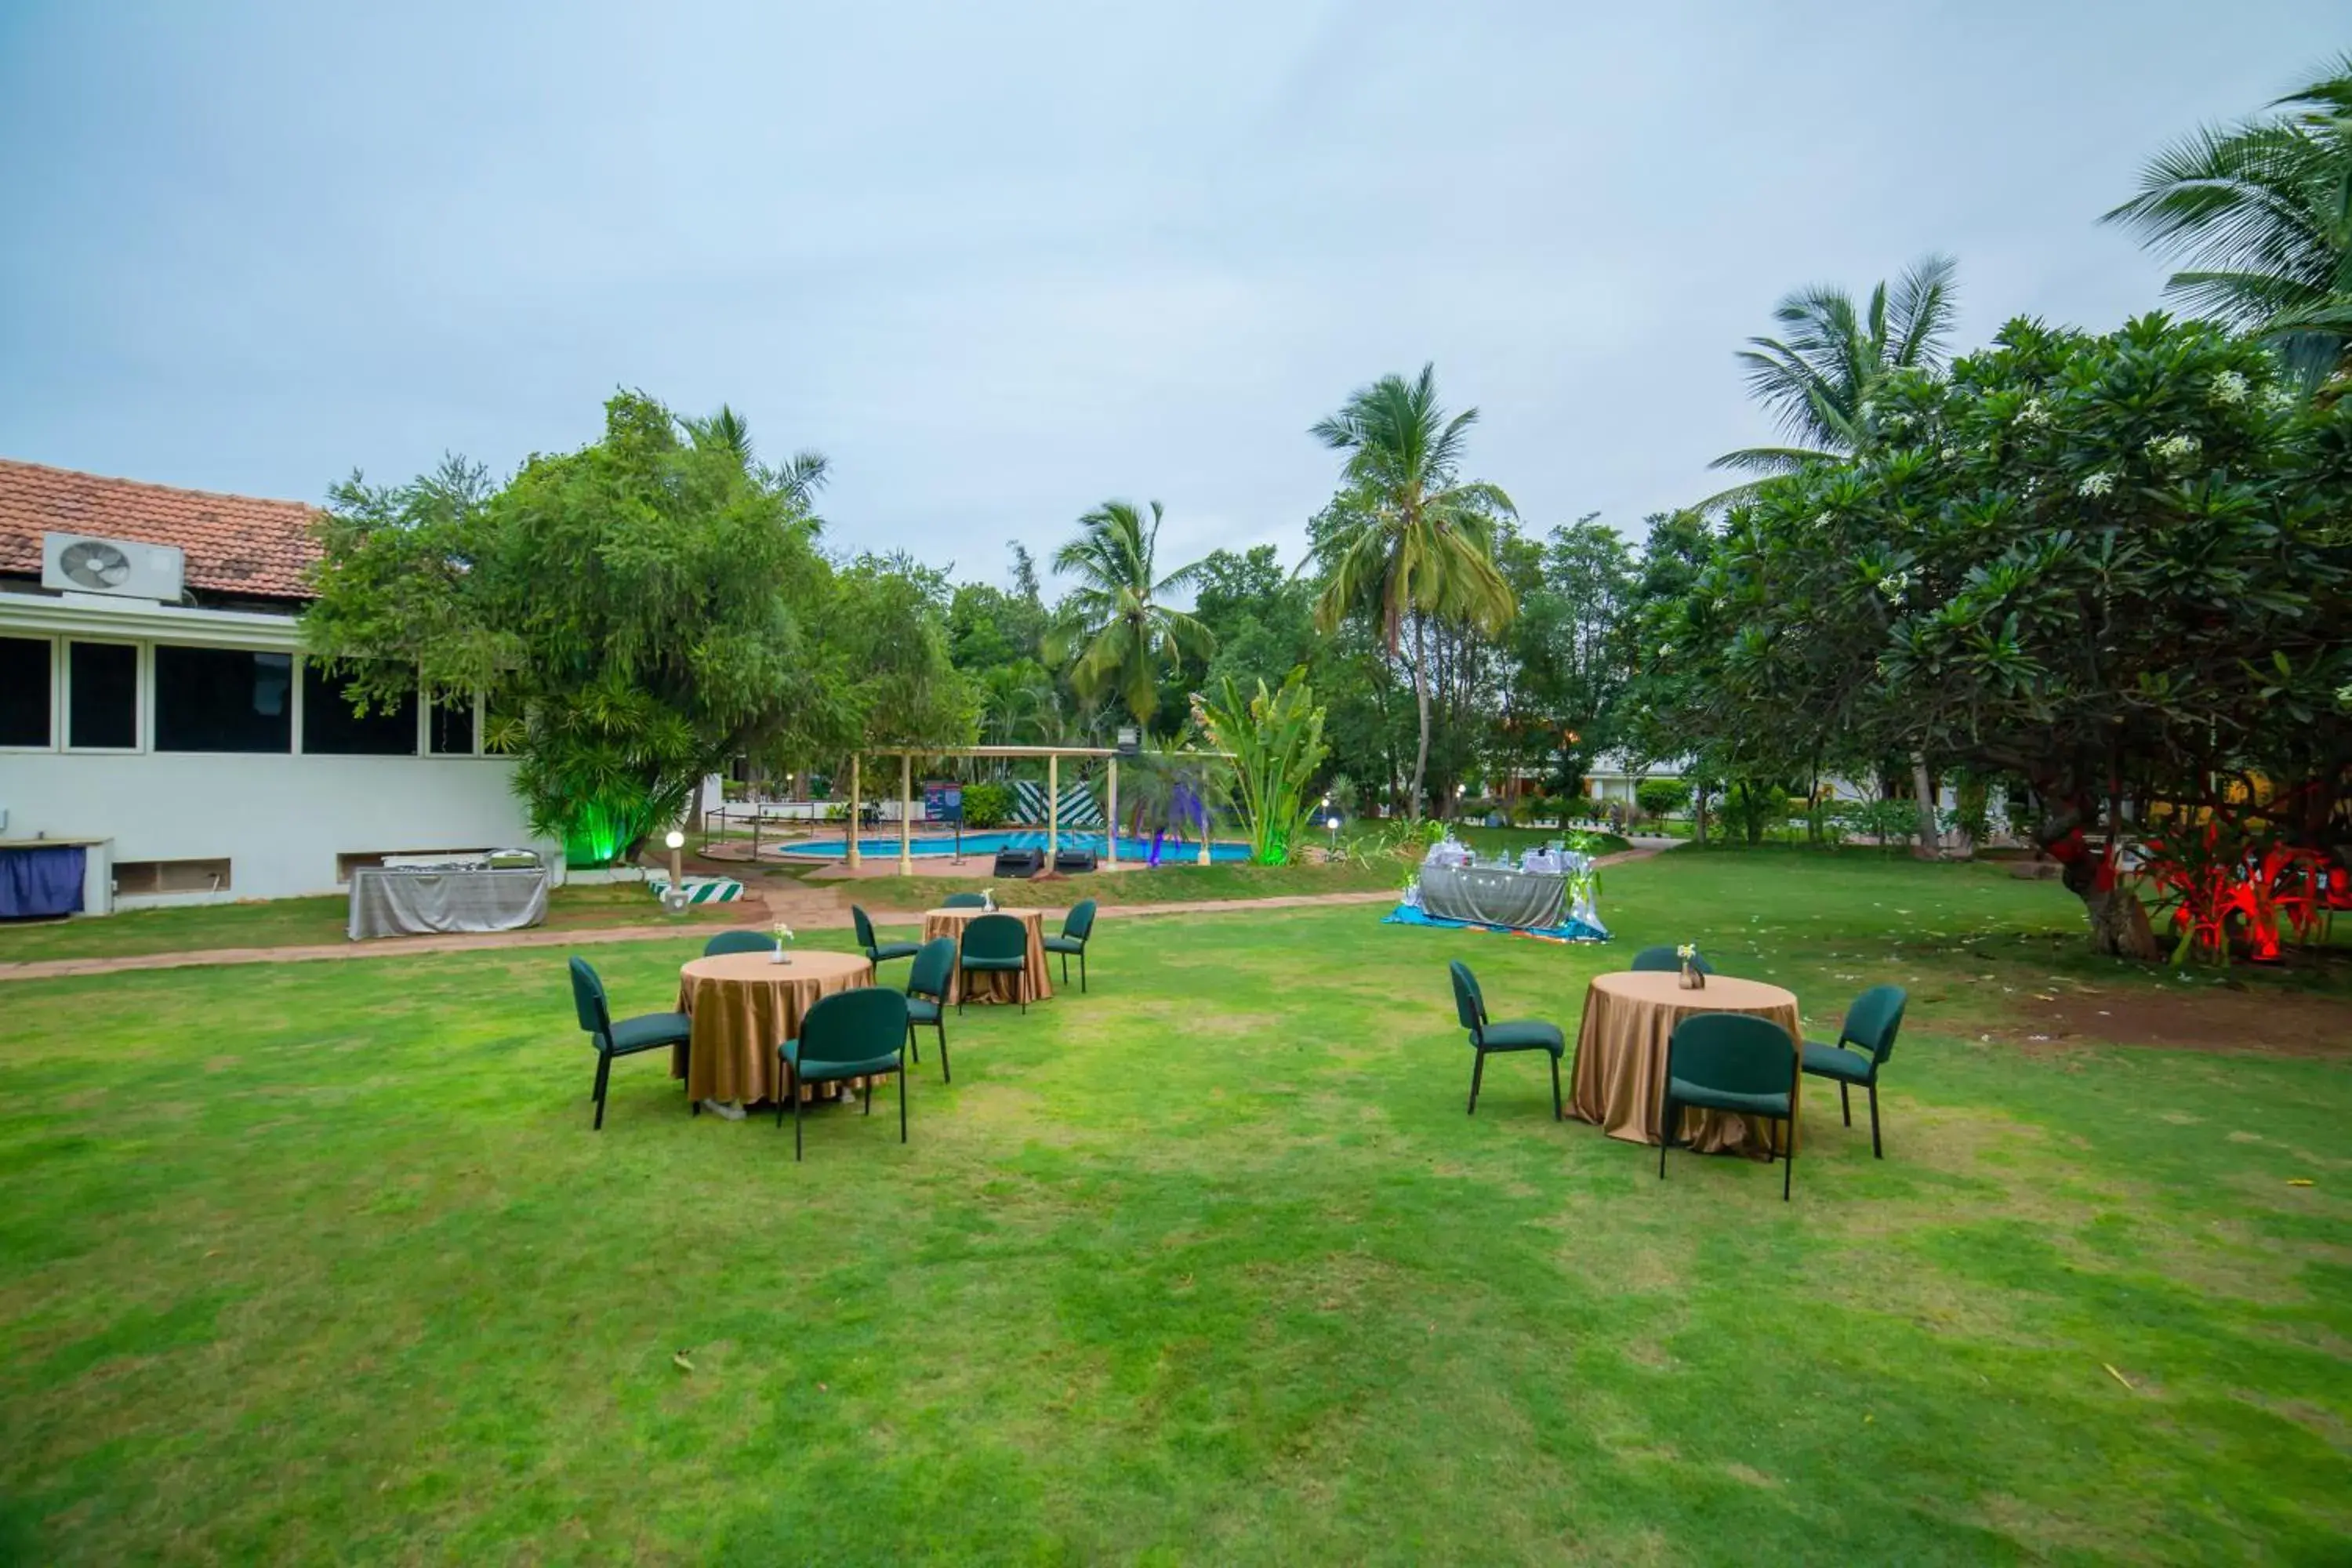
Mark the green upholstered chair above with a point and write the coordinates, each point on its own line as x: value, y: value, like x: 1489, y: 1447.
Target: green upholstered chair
x: 1077, y: 926
x: 879, y: 953
x: 994, y: 944
x: 645, y: 1032
x: 727, y: 942
x: 1730, y: 1061
x: 966, y: 901
x: 1864, y: 1041
x: 1656, y: 958
x: 850, y: 1033
x: 1524, y: 1035
x: 927, y: 996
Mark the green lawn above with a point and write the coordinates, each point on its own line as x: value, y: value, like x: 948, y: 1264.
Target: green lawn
x: 321, y: 1262
x: 296, y: 923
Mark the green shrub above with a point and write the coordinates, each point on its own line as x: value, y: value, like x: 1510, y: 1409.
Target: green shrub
x: 987, y: 805
x: 1662, y: 797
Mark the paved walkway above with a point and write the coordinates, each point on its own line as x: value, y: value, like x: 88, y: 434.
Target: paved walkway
x: 800, y: 911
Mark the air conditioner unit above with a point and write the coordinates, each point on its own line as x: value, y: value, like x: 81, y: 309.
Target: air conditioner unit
x: 77, y: 563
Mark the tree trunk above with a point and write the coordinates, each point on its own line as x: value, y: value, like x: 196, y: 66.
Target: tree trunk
x: 2118, y: 920
x: 1421, y: 704
x: 1698, y: 812
x: 1930, y: 842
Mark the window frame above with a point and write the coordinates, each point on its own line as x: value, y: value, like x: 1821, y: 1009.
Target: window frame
x: 154, y: 695
x: 56, y: 691
x: 142, y: 696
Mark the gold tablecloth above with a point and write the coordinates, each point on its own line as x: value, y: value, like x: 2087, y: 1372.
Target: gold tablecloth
x: 1620, y: 1081
x: 743, y: 1005
x: 992, y: 987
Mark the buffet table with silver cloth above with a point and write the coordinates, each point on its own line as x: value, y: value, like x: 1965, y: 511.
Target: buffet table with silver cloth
x: 412, y: 900
x: 1493, y: 896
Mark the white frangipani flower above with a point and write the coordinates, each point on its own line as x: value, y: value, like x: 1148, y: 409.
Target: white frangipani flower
x: 2096, y: 484
x: 2176, y: 448
x: 2033, y: 412
x: 2229, y: 387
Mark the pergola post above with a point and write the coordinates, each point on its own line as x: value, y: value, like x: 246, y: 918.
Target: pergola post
x: 852, y: 858
x: 906, y: 813
x: 1111, y: 820
x: 1053, y: 807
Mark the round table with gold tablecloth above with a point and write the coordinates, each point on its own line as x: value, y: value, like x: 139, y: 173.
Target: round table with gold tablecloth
x: 743, y: 1007
x: 992, y: 987
x: 1620, y: 1079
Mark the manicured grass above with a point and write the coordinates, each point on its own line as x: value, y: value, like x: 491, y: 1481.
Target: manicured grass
x: 296, y: 923
x: 321, y: 1262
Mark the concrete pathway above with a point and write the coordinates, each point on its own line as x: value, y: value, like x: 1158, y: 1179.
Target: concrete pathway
x: 801, y: 911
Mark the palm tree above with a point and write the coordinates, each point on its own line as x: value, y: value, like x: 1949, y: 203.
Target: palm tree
x: 1113, y: 619
x: 2265, y: 212
x: 1815, y: 378
x: 800, y: 476
x: 1414, y: 541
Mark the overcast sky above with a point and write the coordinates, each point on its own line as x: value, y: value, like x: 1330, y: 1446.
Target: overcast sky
x: 1001, y: 262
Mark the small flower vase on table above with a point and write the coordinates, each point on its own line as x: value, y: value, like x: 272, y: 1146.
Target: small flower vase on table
x: 783, y: 935
x: 1694, y: 977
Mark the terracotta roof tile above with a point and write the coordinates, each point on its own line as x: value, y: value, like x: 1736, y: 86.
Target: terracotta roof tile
x: 235, y: 545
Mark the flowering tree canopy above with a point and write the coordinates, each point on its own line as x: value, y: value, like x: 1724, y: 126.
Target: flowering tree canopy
x: 2116, y: 566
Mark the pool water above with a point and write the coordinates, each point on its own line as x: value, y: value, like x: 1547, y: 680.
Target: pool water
x: 984, y: 845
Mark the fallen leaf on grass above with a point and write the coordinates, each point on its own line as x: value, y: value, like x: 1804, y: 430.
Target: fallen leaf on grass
x: 2119, y: 1377
x: 2298, y: 1180
x: 677, y: 1359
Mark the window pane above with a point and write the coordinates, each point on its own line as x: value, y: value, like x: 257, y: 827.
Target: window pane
x: 453, y: 727
x: 329, y: 728
x: 222, y: 699
x: 105, y: 680
x: 24, y: 691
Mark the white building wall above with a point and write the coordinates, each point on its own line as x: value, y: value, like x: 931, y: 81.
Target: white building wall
x: 280, y: 821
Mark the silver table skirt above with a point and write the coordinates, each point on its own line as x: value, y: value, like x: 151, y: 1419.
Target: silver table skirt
x: 1524, y: 900
x: 410, y: 903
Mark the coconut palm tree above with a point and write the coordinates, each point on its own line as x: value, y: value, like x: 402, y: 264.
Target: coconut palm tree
x: 2264, y: 210
x: 1814, y: 378
x: 1113, y: 623
x: 800, y: 476
x: 1413, y: 539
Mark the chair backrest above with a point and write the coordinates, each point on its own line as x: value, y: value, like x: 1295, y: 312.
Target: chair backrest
x: 738, y: 941
x: 1662, y: 957
x: 859, y: 1026
x: 1872, y: 1022
x: 966, y: 901
x: 995, y: 936
x: 1081, y: 921
x: 588, y: 1000
x: 934, y: 966
x: 1469, y: 1002
x: 1735, y: 1052
x: 864, y: 925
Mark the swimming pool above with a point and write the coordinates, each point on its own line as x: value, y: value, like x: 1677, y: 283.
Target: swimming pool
x: 984, y: 845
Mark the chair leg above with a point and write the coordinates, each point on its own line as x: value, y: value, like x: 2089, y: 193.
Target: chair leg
x: 604, y: 1077
x: 912, y: 1049
x: 1556, y: 1113
x: 1477, y: 1071
x: 1066, y: 969
x: 869, y: 1097
x: 1845, y: 1103
x: 947, y: 1073
x: 963, y: 990
x: 1665, y: 1135
x: 796, y: 1122
x: 1789, y: 1162
x: 902, y: 1105
x: 1082, y: 972
x: 1876, y: 1152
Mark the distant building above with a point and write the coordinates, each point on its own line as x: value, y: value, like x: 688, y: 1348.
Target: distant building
x: 155, y: 706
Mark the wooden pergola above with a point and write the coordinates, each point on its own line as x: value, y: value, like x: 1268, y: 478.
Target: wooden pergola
x: 1053, y: 756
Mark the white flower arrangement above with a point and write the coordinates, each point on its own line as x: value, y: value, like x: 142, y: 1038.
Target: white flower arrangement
x: 2097, y: 484
x: 783, y: 931
x: 1687, y: 952
x: 2229, y: 387
x: 2176, y: 449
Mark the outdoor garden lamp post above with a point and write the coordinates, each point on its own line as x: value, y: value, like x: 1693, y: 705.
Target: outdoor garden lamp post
x: 677, y: 842
x: 1332, y: 822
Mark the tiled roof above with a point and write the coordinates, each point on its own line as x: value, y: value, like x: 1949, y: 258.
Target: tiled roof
x: 235, y: 545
